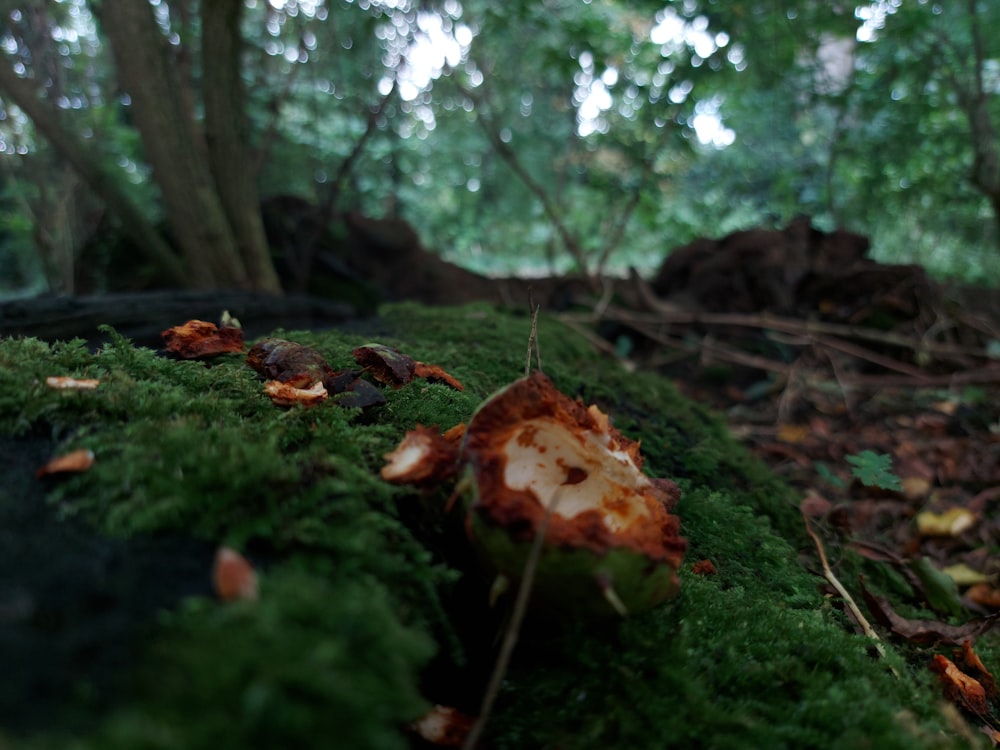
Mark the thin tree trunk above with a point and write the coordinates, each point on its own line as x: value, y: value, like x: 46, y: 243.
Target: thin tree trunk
x: 192, y: 202
x: 102, y: 181
x: 229, y: 154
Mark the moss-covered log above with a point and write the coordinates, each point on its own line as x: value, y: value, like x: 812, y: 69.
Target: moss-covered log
x: 370, y: 606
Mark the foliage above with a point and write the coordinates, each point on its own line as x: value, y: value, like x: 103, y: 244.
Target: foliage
x: 875, y: 470
x: 550, y: 136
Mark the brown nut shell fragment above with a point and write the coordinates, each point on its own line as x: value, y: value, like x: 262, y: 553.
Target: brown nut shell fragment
x: 530, y: 440
x: 387, y: 365
x: 284, y: 394
x: 232, y: 576
x: 611, y: 541
x: 444, y: 726
x: 288, y: 362
x: 68, y: 463
x: 424, y: 455
x: 198, y: 338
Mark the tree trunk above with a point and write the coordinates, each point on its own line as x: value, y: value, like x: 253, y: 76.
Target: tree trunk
x: 102, y: 181
x: 192, y: 201
x: 229, y: 155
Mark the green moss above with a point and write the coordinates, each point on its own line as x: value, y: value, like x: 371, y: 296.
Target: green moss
x: 321, y: 660
x: 357, y: 592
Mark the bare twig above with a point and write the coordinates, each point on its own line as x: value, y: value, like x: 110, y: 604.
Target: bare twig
x: 533, y: 338
x: 661, y: 312
x: 845, y: 594
x: 492, y: 132
x: 607, y: 294
x: 598, y: 342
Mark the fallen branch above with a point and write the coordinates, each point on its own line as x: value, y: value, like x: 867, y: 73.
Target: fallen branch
x: 845, y: 594
x: 661, y: 312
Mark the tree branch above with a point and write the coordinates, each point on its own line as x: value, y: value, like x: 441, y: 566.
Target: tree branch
x: 492, y: 133
x: 79, y: 155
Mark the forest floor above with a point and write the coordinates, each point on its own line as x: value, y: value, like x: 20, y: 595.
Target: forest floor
x: 107, y: 608
x: 941, y: 444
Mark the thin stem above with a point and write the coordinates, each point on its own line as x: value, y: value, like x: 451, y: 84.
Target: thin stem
x: 514, y: 626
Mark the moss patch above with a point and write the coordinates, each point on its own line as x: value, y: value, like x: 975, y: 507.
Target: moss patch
x: 367, y: 614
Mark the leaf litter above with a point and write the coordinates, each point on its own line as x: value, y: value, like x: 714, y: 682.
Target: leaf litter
x: 907, y: 478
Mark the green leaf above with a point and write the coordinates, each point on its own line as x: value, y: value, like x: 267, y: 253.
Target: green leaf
x: 828, y: 476
x: 940, y: 588
x: 875, y: 470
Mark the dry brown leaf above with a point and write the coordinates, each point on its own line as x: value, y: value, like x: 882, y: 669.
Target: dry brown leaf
x: 436, y: 375
x: 975, y: 667
x: 984, y: 595
x: 925, y: 631
x: 959, y: 688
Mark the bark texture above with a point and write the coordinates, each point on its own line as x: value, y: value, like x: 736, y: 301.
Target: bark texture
x: 81, y: 156
x: 226, y: 132
x: 191, y: 201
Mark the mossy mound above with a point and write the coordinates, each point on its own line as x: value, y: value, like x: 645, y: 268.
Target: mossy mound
x: 366, y: 614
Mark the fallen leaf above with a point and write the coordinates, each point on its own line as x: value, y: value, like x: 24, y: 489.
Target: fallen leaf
x: 940, y: 590
x: 963, y: 575
x: 285, y: 394
x: 950, y: 523
x: 925, y: 631
x: 198, y: 338
x: 975, y: 667
x: 63, y: 383
x: 288, y: 362
x: 232, y: 576
x: 793, y: 433
x: 69, y: 463
x: 444, y: 726
x: 435, y: 374
x: 959, y: 688
x: 984, y: 595
x: 875, y: 552
x: 387, y: 365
